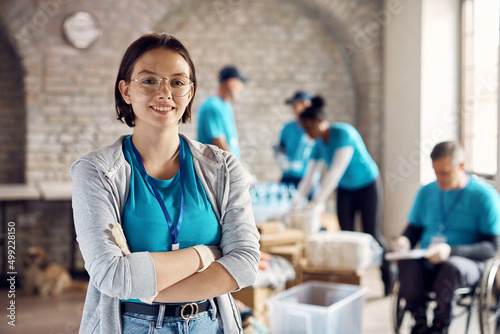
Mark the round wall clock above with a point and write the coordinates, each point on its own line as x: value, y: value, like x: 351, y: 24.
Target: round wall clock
x: 81, y: 30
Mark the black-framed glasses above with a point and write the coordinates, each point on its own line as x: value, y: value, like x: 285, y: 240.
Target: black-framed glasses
x: 148, y: 84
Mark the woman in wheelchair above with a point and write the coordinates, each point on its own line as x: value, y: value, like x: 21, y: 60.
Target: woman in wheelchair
x: 457, y: 219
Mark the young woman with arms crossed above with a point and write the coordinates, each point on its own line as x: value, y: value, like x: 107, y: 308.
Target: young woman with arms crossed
x: 173, y: 197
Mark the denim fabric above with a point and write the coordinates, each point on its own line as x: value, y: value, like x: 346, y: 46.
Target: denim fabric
x: 203, y: 323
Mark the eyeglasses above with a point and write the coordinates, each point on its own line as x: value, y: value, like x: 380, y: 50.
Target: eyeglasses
x: 148, y: 84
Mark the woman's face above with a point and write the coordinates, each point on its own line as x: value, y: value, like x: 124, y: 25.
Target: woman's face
x: 312, y: 127
x: 162, y: 109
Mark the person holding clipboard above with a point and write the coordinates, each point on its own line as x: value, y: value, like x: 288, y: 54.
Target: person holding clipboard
x: 456, y: 221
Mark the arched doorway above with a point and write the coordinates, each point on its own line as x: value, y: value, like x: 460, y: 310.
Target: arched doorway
x: 12, y: 114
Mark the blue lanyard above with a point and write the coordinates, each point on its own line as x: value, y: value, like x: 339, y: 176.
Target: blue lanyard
x: 446, y: 215
x: 174, y: 232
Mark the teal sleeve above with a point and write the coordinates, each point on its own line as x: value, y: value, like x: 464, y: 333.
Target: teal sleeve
x: 344, y: 138
x: 489, y: 212
x: 213, y: 124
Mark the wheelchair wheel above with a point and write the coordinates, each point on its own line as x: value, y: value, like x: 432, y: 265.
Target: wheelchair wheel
x: 398, y: 309
x: 489, y: 298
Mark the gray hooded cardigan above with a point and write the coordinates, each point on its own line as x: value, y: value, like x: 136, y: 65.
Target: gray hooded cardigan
x: 100, y: 188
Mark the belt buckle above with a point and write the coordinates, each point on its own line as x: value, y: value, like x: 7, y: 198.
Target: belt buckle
x: 193, y: 311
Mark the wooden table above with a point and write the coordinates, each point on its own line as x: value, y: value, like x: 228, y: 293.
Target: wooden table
x: 286, y: 237
x: 309, y: 273
x: 55, y: 190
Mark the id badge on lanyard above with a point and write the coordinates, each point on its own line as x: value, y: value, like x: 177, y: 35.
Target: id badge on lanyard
x: 439, y: 237
x: 174, y: 230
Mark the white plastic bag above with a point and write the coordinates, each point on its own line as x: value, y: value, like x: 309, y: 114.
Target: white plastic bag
x: 343, y: 250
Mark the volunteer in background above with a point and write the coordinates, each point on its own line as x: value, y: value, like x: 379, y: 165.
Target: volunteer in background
x: 216, y: 124
x: 295, y: 145
x: 351, y: 169
x: 457, y: 219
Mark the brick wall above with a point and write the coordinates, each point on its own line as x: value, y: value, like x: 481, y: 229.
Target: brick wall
x: 281, y: 49
x: 281, y: 45
x: 66, y: 107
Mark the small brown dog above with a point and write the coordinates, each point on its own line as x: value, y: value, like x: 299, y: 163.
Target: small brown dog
x: 46, y: 278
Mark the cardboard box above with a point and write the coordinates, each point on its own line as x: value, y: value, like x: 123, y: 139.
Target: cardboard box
x: 331, y: 222
x: 294, y: 254
x: 271, y: 227
x: 286, y: 237
x: 256, y: 299
x: 309, y: 273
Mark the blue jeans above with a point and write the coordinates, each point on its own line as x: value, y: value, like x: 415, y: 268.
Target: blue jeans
x: 203, y: 323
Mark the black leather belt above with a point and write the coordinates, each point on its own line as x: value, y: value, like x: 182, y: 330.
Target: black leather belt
x: 186, y: 311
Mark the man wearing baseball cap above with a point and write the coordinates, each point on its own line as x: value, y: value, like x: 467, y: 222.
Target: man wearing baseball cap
x: 295, y: 146
x: 216, y: 124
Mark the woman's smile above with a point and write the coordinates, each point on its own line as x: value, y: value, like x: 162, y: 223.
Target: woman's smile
x: 162, y: 109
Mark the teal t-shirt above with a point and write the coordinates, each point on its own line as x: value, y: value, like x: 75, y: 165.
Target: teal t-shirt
x: 476, y: 212
x: 216, y: 119
x: 362, y: 170
x: 298, y: 147
x: 143, y: 221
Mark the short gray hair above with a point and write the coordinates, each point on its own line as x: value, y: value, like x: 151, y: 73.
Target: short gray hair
x: 448, y: 149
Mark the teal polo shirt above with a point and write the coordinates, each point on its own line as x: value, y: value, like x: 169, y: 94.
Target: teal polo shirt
x: 215, y: 120
x: 298, y: 148
x: 476, y: 212
x: 362, y: 169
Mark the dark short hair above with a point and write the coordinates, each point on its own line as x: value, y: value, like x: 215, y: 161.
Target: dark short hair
x: 315, y: 111
x: 147, y: 42
x: 448, y: 149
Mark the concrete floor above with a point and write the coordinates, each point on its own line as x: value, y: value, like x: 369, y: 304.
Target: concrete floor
x: 61, y: 315
x: 51, y: 315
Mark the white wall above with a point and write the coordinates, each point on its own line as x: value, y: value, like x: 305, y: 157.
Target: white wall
x: 402, y: 98
x: 421, y: 61
x: 440, y: 78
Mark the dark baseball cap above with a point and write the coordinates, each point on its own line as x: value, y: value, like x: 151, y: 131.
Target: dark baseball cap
x: 229, y: 72
x: 299, y: 96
